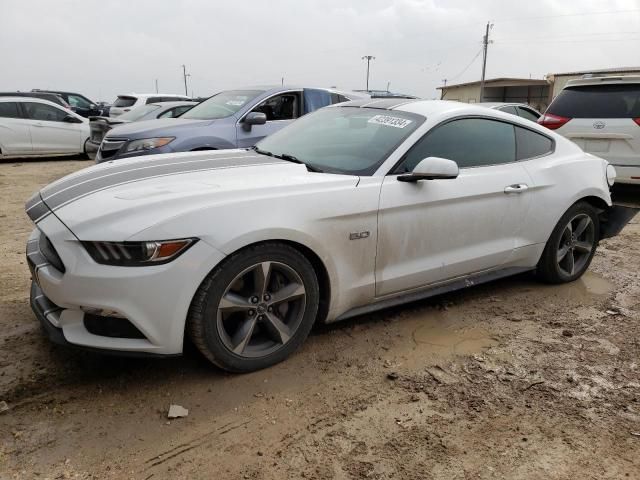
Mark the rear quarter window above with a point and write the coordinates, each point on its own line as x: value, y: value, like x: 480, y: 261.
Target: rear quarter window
x: 598, y: 101
x: 124, y: 102
x: 530, y: 144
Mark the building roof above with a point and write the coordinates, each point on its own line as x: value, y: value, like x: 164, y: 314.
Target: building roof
x: 604, y: 70
x: 500, y: 82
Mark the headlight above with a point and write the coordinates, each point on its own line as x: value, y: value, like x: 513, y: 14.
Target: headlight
x: 137, y: 254
x: 148, y: 144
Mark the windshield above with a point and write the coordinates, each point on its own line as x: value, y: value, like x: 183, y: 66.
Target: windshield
x: 347, y: 140
x: 138, y: 113
x: 221, y: 105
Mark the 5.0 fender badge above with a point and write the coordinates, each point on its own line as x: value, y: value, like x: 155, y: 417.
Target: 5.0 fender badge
x: 358, y: 235
x: 599, y: 125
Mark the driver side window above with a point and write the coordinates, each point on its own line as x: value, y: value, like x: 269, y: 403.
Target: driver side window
x: 470, y: 142
x: 280, y: 107
x: 41, y: 111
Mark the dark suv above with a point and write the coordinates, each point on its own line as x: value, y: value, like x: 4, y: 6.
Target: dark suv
x: 79, y: 103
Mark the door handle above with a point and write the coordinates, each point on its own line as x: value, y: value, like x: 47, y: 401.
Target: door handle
x: 516, y: 188
x: 38, y: 124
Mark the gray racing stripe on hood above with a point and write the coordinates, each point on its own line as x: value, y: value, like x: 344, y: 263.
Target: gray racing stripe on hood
x: 110, y: 168
x: 68, y: 190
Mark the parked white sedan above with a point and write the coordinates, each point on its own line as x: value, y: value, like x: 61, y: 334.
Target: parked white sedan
x: 350, y: 209
x: 34, y: 127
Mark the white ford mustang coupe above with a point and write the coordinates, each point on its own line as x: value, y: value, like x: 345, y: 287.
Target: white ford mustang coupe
x: 350, y: 209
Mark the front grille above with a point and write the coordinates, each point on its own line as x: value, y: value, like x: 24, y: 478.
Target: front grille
x: 108, y: 148
x: 113, y: 327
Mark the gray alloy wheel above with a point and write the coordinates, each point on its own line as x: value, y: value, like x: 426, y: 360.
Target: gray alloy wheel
x: 256, y: 308
x: 571, y: 246
x: 576, y: 244
x: 261, y: 309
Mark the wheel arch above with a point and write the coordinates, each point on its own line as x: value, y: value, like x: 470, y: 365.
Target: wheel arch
x: 597, y: 202
x: 319, y: 267
x: 202, y: 149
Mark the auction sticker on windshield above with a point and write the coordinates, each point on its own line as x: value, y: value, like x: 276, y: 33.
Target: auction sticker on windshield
x: 390, y: 121
x: 236, y: 103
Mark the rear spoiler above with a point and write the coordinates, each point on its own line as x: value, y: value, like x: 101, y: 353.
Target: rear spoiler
x: 614, y: 219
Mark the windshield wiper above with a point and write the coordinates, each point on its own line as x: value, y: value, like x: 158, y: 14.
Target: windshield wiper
x: 288, y: 157
x: 261, y: 152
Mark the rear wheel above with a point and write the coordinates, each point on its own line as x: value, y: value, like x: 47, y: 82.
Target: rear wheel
x: 255, y: 309
x: 571, y: 246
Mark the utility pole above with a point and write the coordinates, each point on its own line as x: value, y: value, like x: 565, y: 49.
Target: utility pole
x: 368, y: 58
x: 185, y: 75
x: 485, y: 42
x: 443, y: 92
x: 156, y: 85
x: 388, y: 85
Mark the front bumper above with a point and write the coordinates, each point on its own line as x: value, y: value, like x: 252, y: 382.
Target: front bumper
x: 155, y: 299
x: 47, y: 313
x: 92, y: 149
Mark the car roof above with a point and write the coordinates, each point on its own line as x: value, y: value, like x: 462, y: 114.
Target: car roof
x: 42, y: 90
x: 502, y: 104
x: 271, y: 89
x: 603, y: 80
x: 428, y: 108
x: 146, y: 95
x: 21, y: 98
x: 173, y: 104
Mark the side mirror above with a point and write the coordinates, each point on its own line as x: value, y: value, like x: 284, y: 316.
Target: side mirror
x: 71, y: 119
x: 253, y: 118
x: 432, y: 168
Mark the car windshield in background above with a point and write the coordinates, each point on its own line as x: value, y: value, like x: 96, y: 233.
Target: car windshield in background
x: 124, y: 101
x: 346, y: 140
x: 221, y: 105
x: 140, y: 112
x: 598, y: 101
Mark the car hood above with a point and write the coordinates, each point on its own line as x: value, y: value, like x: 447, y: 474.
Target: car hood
x: 114, y: 201
x: 160, y: 127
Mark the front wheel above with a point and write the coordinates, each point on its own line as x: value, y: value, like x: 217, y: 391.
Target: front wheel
x: 571, y: 246
x: 255, y: 309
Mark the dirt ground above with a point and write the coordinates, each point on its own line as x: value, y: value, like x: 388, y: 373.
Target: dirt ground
x: 512, y: 379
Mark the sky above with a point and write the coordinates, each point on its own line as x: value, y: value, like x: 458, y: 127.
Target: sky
x: 103, y: 48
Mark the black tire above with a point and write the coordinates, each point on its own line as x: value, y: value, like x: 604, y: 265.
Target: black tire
x: 553, y: 267
x: 84, y: 150
x: 206, y: 318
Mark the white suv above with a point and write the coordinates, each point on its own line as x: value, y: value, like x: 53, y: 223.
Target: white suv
x: 602, y: 116
x: 125, y: 103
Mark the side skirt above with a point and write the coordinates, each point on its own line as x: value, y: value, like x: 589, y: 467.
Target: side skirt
x: 457, y: 284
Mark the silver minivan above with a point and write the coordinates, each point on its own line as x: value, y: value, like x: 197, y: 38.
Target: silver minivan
x: 602, y: 116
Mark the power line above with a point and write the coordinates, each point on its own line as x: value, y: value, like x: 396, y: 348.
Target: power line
x: 561, y: 15
x: 598, y: 40
x: 467, y: 67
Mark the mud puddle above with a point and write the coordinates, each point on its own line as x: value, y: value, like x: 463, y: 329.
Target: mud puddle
x: 434, y: 336
x: 587, y: 286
